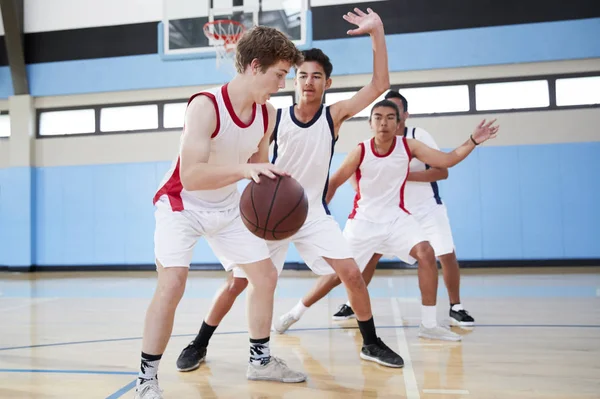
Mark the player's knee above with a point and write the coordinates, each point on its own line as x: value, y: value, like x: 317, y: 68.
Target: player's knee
x: 237, y: 285
x: 350, y: 274
x: 423, y: 252
x: 172, y: 287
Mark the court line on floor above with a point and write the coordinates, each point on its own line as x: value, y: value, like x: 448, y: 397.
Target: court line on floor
x: 103, y: 372
x: 299, y: 330
x: 410, y: 380
x: 123, y: 390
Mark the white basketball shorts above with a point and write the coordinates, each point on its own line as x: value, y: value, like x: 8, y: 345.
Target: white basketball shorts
x: 397, y: 238
x: 436, y: 225
x: 317, y: 238
x: 177, y: 233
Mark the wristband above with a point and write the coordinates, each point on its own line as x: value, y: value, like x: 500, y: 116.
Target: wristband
x: 473, y: 140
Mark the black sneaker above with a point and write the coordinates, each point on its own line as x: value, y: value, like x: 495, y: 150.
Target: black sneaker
x: 461, y: 318
x: 380, y: 353
x: 344, y: 313
x: 190, y: 358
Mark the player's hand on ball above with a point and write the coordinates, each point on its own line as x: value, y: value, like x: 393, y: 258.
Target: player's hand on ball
x: 485, y: 131
x: 254, y: 170
x: 366, y: 23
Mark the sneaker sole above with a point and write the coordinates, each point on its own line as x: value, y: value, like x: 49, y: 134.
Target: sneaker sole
x: 341, y: 318
x: 374, y: 359
x: 191, y: 368
x: 285, y: 380
x: 455, y: 322
x: 438, y: 338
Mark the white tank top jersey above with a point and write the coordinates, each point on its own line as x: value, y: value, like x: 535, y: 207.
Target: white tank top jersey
x: 381, y: 182
x: 421, y: 195
x: 304, y: 150
x: 232, y: 143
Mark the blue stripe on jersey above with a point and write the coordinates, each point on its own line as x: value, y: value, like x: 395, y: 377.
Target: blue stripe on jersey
x: 333, y: 140
x: 435, y: 188
x: 274, y: 135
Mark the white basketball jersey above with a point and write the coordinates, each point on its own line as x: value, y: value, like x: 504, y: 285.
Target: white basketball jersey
x: 304, y: 150
x: 381, y: 180
x: 232, y: 143
x: 421, y: 195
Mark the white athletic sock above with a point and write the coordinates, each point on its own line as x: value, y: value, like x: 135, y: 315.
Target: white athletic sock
x: 298, y: 310
x: 457, y: 307
x: 428, y: 316
x: 348, y: 304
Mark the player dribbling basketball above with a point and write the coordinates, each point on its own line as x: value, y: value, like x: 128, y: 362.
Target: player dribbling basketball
x: 304, y: 136
x: 224, y: 127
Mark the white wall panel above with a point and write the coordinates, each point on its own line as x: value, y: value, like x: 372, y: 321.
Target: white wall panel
x: 50, y: 15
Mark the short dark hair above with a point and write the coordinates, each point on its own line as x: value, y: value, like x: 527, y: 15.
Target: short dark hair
x: 386, y: 103
x: 318, y: 56
x: 395, y: 94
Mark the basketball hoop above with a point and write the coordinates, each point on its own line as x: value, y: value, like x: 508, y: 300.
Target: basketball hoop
x: 223, y: 35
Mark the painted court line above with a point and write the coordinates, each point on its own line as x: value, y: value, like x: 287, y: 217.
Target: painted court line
x: 447, y: 391
x: 297, y: 330
x: 104, y: 372
x: 410, y: 381
x: 123, y: 390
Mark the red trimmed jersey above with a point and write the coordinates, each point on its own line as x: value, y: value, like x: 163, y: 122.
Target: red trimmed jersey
x: 232, y: 143
x: 381, y: 179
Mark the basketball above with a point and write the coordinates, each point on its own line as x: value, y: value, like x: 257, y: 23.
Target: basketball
x: 274, y: 209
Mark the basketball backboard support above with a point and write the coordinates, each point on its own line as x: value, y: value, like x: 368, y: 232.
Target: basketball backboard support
x: 181, y: 33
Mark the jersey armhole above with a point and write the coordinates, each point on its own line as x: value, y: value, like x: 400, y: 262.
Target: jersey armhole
x: 214, y: 101
x: 362, y: 154
x: 407, y: 148
x: 265, y: 114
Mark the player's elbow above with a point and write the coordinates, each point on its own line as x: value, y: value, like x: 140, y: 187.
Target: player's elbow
x: 443, y: 174
x: 191, y: 181
x: 381, y: 83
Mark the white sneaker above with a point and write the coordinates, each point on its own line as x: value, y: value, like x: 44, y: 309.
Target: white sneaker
x: 148, y: 390
x: 284, y: 322
x: 439, y: 333
x: 275, y: 370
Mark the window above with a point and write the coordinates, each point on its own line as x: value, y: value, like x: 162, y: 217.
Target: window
x: 332, y: 98
x: 4, y: 125
x: 578, y: 91
x: 282, y: 101
x: 122, y: 119
x: 56, y: 123
x: 174, y: 115
x: 437, y: 99
x: 512, y: 95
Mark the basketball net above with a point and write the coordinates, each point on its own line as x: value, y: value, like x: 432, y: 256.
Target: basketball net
x: 223, y: 35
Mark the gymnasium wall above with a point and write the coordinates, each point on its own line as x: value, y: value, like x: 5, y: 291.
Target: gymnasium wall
x: 86, y: 200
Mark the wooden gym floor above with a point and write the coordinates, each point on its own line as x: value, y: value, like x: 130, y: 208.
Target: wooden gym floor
x: 78, y: 335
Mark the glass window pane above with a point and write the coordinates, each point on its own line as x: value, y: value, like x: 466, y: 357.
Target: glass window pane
x: 282, y: 101
x: 55, y: 123
x: 512, y: 95
x: 4, y: 125
x: 174, y: 115
x: 437, y: 99
x: 578, y: 91
x: 122, y: 119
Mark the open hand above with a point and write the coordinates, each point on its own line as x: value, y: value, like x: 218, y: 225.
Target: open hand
x: 485, y: 131
x: 254, y: 170
x: 366, y: 23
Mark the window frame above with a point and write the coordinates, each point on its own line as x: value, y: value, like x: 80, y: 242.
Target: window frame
x: 5, y: 112
x: 470, y: 83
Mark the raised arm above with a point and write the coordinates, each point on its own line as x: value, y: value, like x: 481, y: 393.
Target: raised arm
x: 440, y: 159
x: 195, y: 172
x: 380, y: 81
x: 346, y: 170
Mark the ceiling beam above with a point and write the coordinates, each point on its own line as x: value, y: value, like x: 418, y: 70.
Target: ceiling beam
x: 12, y: 17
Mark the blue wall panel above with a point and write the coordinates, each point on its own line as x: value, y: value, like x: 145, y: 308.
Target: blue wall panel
x: 541, y: 201
x: 431, y: 50
x: 580, y: 191
x: 6, y: 87
x: 16, y: 238
x: 514, y: 202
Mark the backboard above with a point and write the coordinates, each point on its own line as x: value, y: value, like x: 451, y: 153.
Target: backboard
x: 181, y: 33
